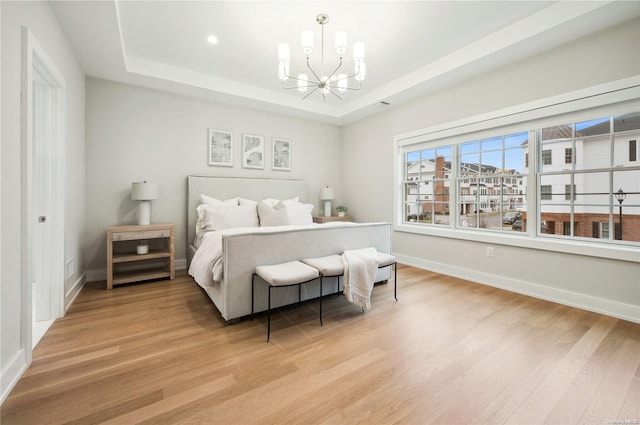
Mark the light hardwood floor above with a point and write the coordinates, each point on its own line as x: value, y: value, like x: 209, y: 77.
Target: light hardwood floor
x: 449, y: 352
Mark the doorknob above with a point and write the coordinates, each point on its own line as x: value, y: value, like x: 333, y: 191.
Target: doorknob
x: 42, y: 219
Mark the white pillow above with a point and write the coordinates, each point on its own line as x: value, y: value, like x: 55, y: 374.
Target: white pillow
x: 220, y: 217
x: 284, y: 213
x: 213, y: 201
x: 299, y: 213
x: 272, y: 202
x: 243, y: 201
x: 271, y: 215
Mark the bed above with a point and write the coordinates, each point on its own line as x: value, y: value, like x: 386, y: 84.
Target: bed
x: 242, y: 249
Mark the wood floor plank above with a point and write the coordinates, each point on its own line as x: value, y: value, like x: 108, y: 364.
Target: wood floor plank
x: 450, y: 351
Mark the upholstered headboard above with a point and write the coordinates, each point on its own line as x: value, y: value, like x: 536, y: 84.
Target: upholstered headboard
x: 230, y: 187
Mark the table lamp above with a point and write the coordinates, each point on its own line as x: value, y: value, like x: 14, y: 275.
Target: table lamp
x: 144, y: 192
x: 327, y: 194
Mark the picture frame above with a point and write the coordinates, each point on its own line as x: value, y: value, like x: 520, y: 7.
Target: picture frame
x: 220, y: 144
x: 281, y: 154
x: 252, y: 151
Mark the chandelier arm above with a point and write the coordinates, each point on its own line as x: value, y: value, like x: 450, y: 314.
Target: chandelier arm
x: 310, y: 93
x: 346, y: 88
x: 312, y: 71
x: 336, y: 70
x: 335, y: 94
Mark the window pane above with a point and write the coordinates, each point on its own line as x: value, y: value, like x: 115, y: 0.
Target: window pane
x: 593, y: 153
x: 491, y: 162
x: 591, y: 219
x: 441, y: 215
x: 629, y: 182
x: 557, y: 132
x: 470, y: 147
x: 554, y: 217
x: 593, y: 127
x: 552, y: 188
x: 493, y: 144
x: 626, y: 122
x: 625, y: 152
x: 428, y: 154
x: 516, y: 140
x: 515, y: 159
x: 592, y: 188
x: 469, y: 165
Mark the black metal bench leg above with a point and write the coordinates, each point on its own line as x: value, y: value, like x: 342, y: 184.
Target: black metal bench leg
x: 253, y: 289
x: 321, y: 324
x: 269, y: 317
x: 395, y: 281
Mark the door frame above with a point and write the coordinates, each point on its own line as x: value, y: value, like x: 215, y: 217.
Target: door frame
x: 34, y: 57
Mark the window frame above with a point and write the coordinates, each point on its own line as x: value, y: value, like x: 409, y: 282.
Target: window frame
x: 617, y: 97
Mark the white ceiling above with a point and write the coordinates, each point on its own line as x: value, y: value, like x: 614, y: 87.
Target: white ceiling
x: 412, y: 48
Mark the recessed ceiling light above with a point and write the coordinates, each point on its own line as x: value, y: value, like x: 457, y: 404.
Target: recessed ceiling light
x: 212, y: 39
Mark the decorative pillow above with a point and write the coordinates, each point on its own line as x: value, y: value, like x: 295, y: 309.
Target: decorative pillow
x: 272, y: 215
x: 208, y: 200
x: 272, y: 202
x: 284, y: 213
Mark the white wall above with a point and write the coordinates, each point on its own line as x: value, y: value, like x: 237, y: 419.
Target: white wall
x: 136, y: 134
x: 599, y: 284
x: 42, y: 23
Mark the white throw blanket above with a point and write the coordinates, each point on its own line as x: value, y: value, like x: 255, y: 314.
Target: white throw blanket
x: 360, y: 269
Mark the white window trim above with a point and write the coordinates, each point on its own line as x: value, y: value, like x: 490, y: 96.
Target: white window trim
x: 621, y: 94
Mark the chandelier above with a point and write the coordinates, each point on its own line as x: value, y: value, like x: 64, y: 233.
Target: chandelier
x: 335, y: 82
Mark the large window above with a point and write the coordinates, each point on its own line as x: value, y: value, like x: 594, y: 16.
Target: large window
x: 586, y: 187
x: 583, y: 171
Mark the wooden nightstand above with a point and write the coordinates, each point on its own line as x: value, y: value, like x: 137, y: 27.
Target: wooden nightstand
x: 124, y: 265
x: 322, y: 219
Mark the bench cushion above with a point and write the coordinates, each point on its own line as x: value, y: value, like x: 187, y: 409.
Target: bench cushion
x: 385, y: 259
x: 331, y: 265
x: 285, y: 274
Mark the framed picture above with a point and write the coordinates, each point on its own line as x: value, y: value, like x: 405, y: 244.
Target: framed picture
x: 253, y: 151
x: 281, y: 158
x: 220, y: 148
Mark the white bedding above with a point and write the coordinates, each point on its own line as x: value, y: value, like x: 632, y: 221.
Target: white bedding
x: 206, y: 266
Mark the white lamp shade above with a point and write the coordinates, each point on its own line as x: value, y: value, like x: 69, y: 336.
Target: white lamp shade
x: 361, y: 71
x: 358, y: 51
x: 284, y: 53
x: 327, y: 194
x: 306, y: 41
x: 144, y: 191
x: 341, y: 42
x: 303, y: 82
x: 342, y: 82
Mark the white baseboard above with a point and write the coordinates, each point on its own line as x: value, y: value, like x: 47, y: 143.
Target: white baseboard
x: 573, y: 299
x: 12, y: 373
x: 73, y: 292
x: 100, y: 275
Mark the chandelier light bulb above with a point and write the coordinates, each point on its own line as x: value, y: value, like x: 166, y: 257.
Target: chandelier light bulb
x: 358, y: 51
x: 283, y: 70
x: 306, y: 41
x: 303, y: 82
x: 361, y: 71
x: 284, y: 53
x: 341, y: 42
x: 342, y: 82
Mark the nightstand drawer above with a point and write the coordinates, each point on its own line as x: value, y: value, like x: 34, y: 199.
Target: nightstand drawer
x: 144, y: 234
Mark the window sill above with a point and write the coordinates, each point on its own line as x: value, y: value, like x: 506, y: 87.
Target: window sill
x: 525, y: 240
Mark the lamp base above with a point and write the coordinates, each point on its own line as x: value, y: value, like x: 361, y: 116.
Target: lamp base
x: 144, y: 213
x: 327, y: 208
